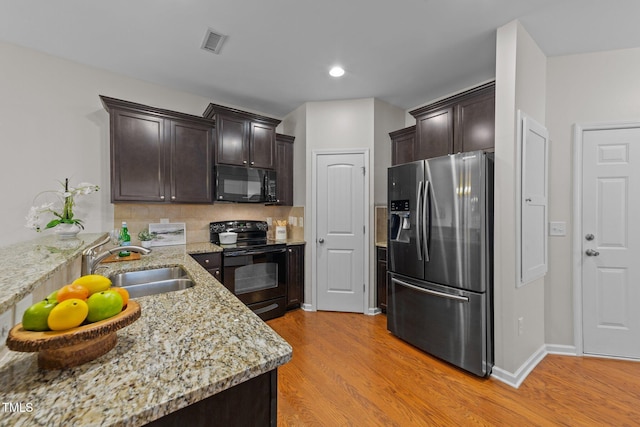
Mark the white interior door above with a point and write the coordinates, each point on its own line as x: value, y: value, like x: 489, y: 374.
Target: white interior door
x: 611, y: 242
x: 340, y: 232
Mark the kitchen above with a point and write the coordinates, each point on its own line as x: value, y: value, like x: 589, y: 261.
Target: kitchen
x: 61, y: 109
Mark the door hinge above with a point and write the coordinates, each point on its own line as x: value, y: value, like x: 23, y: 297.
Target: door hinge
x: 364, y: 229
x: 364, y: 288
x: 363, y: 170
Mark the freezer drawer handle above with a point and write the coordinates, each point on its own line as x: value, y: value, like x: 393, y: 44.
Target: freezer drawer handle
x: 430, y: 292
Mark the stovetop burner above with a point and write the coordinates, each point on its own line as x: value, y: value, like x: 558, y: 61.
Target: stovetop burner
x: 251, y: 234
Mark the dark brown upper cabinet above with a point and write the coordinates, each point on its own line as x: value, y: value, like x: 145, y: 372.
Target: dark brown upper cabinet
x: 403, y: 145
x: 463, y: 122
x: 284, y: 169
x: 243, y: 138
x: 159, y: 155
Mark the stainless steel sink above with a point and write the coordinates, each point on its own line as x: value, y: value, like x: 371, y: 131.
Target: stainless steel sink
x: 153, y: 281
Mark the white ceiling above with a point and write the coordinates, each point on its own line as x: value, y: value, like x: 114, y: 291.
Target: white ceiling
x: 278, y: 52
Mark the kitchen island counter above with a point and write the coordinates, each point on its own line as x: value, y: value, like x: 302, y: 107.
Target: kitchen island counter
x: 187, y: 346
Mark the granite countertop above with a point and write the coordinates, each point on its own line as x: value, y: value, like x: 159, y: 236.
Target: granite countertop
x: 26, y: 265
x: 186, y: 346
x: 381, y: 244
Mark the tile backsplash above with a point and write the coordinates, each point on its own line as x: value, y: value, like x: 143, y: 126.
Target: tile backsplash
x: 198, y: 217
x: 381, y: 224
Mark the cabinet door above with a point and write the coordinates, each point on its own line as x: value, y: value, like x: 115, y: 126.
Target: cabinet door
x: 284, y: 171
x: 233, y: 140
x: 191, y: 165
x: 212, y: 262
x: 137, y: 157
x: 262, y: 146
x: 295, y: 276
x: 434, y: 134
x: 475, y: 123
x: 403, y: 145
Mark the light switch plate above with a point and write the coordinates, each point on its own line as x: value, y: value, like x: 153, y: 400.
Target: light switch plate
x: 557, y: 228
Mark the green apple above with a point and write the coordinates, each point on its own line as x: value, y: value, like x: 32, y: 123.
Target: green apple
x: 103, y: 305
x: 35, y: 317
x: 53, y: 296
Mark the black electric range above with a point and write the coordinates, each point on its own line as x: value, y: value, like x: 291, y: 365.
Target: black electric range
x: 254, y: 268
x: 252, y: 235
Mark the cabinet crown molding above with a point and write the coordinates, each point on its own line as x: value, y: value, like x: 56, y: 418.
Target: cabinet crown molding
x: 487, y: 87
x: 214, y: 109
x: 119, y: 104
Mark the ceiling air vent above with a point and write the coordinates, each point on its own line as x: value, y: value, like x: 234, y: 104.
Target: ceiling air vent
x: 213, y: 41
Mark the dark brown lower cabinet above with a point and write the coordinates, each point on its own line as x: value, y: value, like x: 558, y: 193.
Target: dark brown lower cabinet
x: 381, y: 277
x: 251, y: 403
x: 295, y: 276
x: 212, y: 262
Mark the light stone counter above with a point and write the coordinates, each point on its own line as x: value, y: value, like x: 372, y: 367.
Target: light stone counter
x: 25, y: 266
x: 186, y: 346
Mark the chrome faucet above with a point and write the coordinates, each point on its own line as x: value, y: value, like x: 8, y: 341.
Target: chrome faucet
x: 91, y: 259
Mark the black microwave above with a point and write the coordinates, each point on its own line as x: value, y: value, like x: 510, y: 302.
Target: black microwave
x: 246, y: 185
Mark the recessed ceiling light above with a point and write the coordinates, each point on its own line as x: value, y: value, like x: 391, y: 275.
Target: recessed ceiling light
x: 336, y: 72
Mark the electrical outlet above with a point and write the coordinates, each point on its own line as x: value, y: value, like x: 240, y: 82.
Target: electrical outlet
x: 300, y: 222
x: 520, y: 325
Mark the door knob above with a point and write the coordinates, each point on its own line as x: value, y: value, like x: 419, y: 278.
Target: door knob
x: 589, y: 237
x: 321, y: 240
x: 591, y: 252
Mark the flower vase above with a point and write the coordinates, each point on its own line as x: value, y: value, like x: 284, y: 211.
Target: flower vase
x: 146, y: 243
x: 66, y: 231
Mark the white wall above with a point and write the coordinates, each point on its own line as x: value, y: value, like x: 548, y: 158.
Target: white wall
x: 53, y: 126
x: 387, y: 118
x: 346, y: 124
x: 520, y: 84
x: 587, y: 88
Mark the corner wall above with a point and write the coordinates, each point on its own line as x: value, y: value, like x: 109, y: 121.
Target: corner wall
x: 520, y: 84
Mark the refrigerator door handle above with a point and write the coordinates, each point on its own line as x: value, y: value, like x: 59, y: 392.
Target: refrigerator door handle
x: 419, y: 214
x: 426, y: 220
x: 430, y: 291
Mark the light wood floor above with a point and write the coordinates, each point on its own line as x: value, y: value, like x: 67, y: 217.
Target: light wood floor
x: 348, y: 370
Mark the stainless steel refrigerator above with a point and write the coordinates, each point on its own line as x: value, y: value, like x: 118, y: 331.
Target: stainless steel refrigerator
x: 440, y: 257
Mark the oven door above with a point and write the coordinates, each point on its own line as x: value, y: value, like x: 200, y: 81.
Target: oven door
x: 258, y: 278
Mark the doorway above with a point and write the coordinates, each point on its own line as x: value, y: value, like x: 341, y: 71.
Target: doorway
x: 606, y: 244
x: 340, y: 253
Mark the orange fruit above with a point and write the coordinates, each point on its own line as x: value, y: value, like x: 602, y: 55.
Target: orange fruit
x: 72, y: 291
x: 67, y: 314
x: 123, y: 293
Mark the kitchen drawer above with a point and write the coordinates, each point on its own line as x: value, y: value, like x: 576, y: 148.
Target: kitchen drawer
x: 209, y: 260
x: 269, y: 309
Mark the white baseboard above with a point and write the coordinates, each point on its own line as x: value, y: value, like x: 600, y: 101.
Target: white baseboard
x: 564, y: 350
x: 373, y: 311
x: 308, y: 307
x: 516, y: 379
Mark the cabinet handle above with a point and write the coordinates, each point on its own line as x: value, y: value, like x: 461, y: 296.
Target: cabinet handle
x: 217, y: 273
x: 206, y: 261
x: 173, y: 197
x: 290, y: 250
x: 244, y: 162
x: 253, y: 163
x: 161, y: 197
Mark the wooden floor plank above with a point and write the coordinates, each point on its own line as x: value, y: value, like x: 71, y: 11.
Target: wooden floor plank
x: 348, y: 370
